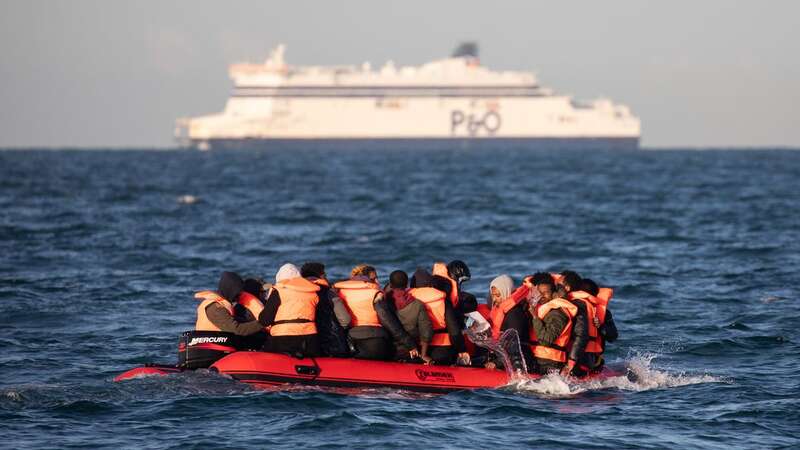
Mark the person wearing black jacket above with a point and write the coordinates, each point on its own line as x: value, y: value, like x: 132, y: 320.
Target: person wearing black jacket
x: 607, y: 330
x: 229, y: 288
x: 456, y: 351
x: 467, y: 302
x: 580, y: 325
x: 332, y: 317
x: 517, y: 318
x: 254, y: 287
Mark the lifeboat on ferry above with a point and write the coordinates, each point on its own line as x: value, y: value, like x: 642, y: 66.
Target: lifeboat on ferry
x: 263, y: 369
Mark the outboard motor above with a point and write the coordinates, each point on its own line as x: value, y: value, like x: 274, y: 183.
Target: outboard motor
x: 201, y: 349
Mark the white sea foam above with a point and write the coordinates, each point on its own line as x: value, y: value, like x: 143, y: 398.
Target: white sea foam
x: 639, y: 376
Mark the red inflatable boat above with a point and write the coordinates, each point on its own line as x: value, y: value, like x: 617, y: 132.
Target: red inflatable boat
x: 273, y: 369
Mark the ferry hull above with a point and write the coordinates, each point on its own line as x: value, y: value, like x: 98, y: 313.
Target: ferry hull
x: 616, y: 143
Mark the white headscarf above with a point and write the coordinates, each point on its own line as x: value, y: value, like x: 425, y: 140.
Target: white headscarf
x: 287, y: 272
x: 504, y: 284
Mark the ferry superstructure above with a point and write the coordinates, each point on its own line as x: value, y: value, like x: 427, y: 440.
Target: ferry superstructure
x: 452, y: 98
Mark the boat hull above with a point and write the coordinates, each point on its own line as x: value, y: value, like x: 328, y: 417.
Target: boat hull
x: 267, y: 370
x: 271, y: 369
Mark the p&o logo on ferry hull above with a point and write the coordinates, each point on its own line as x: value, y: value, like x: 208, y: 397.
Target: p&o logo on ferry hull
x: 435, y: 375
x: 474, y: 124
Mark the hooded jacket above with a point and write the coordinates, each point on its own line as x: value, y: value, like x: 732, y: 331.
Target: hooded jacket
x: 422, y: 278
x: 229, y: 287
x: 412, y: 315
x: 515, y: 318
x: 332, y: 319
x: 287, y: 272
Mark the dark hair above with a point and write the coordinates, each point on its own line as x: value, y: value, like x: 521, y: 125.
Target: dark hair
x: 458, y: 271
x: 398, y: 279
x: 421, y: 278
x: 230, y: 286
x: 441, y: 283
x: 253, y: 286
x: 572, y: 279
x: 543, y: 278
x: 587, y: 285
x: 312, y: 269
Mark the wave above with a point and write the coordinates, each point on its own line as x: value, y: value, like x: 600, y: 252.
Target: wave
x: 640, y: 375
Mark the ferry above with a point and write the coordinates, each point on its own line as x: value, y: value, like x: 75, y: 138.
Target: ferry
x: 450, y: 99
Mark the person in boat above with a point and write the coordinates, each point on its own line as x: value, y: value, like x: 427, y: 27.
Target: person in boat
x: 364, y: 270
x: 601, y: 324
x: 216, y: 311
x: 552, y: 320
x: 249, y: 307
x: 290, y: 312
x: 508, y: 313
x: 440, y: 270
x: 459, y: 271
x: 412, y: 315
x: 332, y: 316
x: 373, y: 326
x: 447, y: 345
x: 570, y: 282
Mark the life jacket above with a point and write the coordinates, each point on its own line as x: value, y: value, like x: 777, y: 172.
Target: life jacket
x: 596, y: 306
x: 441, y: 270
x: 251, y: 303
x: 498, y: 313
x: 298, y: 308
x: 558, y: 350
x: 358, y: 296
x: 209, y: 297
x: 434, y: 299
x: 485, y: 311
x: 321, y: 282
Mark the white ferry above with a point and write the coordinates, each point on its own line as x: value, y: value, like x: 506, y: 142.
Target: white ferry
x: 450, y: 99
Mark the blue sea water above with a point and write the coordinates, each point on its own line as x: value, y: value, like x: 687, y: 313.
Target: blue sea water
x: 102, y: 250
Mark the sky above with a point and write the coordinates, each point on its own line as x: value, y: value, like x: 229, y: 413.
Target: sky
x: 117, y: 74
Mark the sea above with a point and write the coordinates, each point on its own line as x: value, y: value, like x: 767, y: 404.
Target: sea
x: 101, y: 251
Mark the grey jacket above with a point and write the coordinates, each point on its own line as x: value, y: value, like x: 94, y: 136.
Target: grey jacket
x: 416, y: 321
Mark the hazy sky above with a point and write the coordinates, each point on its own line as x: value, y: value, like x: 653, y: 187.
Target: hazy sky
x: 108, y: 73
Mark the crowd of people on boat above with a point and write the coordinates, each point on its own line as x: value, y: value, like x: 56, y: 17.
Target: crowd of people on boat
x: 562, y: 320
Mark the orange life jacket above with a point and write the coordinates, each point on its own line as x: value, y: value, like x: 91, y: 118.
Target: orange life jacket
x: 485, y: 311
x: 596, y: 306
x: 434, y: 299
x: 358, y: 296
x: 298, y: 308
x: 499, y: 312
x: 322, y: 282
x: 209, y: 297
x: 556, y: 352
x: 441, y: 270
x: 251, y: 303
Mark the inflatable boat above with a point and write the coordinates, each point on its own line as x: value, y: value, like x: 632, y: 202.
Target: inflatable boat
x: 274, y: 369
